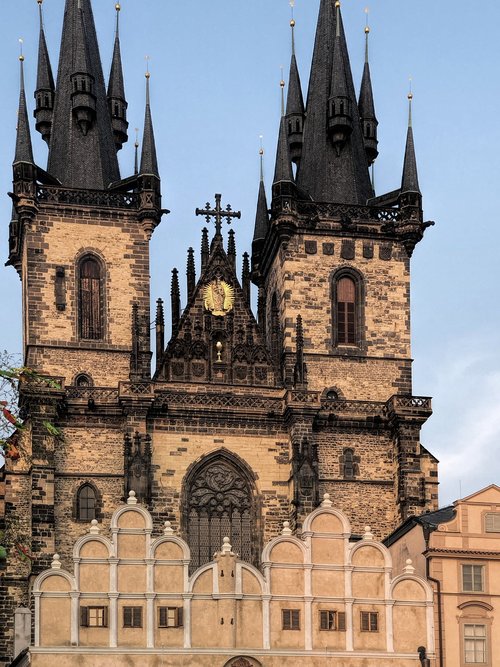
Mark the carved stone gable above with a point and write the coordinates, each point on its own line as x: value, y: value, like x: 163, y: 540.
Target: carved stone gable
x: 217, y: 339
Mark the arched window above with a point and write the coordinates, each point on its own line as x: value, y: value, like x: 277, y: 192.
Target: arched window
x: 86, y: 503
x: 83, y: 380
x: 346, y: 312
x: 349, y: 469
x: 219, y: 501
x: 90, y: 299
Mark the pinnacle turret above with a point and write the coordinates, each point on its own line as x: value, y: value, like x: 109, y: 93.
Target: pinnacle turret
x: 149, y: 161
x: 366, y: 107
x: 116, y: 91
x: 82, y: 150
x: 45, y: 87
x: 409, y: 181
x: 24, y: 150
x: 295, y: 106
x: 333, y: 165
x: 283, y: 170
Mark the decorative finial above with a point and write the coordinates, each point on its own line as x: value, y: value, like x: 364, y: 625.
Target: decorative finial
x: 410, y: 101
x: 261, y: 153
x: 118, y: 9
x: 337, y: 12
x: 367, y: 32
x: 326, y: 501
x: 56, y: 562
x: 132, y: 500
x: 21, y: 54
x: 148, y: 73
x: 226, y: 546
x: 368, y: 534
x: 282, y: 86
x: 219, y: 347
x: 136, y: 148
x: 409, y: 569
x: 94, y: 527
x: 292, y: 26
x: 286, y: 528
x: 168, y: 530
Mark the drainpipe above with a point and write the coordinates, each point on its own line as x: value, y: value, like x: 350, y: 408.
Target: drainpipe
x: 440, y: 614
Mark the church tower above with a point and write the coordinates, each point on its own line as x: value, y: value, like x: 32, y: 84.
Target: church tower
x: 246, y: 422
x: 332, y: 265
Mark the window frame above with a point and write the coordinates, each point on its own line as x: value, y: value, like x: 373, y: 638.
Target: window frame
x: 474, y: 566
x: 78, y: 508
x: 85, y: 620
x: 337, y: 622
x: 492, y: 516
x: 85, y: 256
x: 178, y: 616
x: 475, y: 638
x: 370, y: 626
x: 134, y: 623
x: 290, y: 619
x: 359, y: 346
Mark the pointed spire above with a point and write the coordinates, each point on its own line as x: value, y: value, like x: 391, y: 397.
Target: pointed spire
x: 191, y: 273
x: 149, y: 161
x: 205, y: 248
x: 340, y: 104
x: 366, y: 107
x: 82, y: 151
x: 262, y: 216
x: 160, y: 332
x: 295, y: 105
x: 136, y: 152
x: 245, y: 278
x: 324, y: 174
x: 283, y: 170
x: 45, y: 87
x: 409, y: 182
x: 116, y: 90
x: 175, y: 300
x: 231, y: 249
x: 24, y: 150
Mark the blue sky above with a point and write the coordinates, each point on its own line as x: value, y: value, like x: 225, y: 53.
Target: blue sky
x: 215, y: 88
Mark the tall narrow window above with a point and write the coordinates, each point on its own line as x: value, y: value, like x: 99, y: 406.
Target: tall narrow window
x: 473, y: 578
x: 349, y: 463
x: 86, y: 503
x: 90, y: 299
x: 218, y: 503
x: 346, y: 312
x: 475, y: 644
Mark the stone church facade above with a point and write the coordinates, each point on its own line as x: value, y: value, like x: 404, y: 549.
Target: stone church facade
x: 247, y: 419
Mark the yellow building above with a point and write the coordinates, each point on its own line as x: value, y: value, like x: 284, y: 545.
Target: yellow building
x: 458, y: 549
x: 322, y: 598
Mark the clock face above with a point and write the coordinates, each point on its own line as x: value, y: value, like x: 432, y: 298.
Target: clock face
x: 219, y: 297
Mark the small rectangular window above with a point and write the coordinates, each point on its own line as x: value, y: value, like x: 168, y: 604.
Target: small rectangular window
x: 473, y: 578
x: 170, y: 617
x: 492, y: 522
x: 475, y: 644
x: 132, y: 617
x: 369, y: 621
x: 332, y: 620
x: 291, y: 619
x: 94, y: 617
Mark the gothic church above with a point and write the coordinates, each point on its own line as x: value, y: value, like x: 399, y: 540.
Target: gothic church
x: 247, y: 419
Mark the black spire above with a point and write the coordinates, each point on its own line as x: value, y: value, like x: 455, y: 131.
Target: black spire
x: 116, y: 91
x: 262, y: 216
x: 283, y: 170
x: 45, y: 88
x: 24, y: 150
x: 366, y: 107
x: 191, y: 274
x: 175, y: 296
x: 409, y: 182
x: 149, y: 161
x: 295, y: 106
x: 82, y: 150
x: 325, y: 173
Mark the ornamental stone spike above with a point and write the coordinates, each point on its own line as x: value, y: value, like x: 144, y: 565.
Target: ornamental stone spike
x: 226, y: 547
